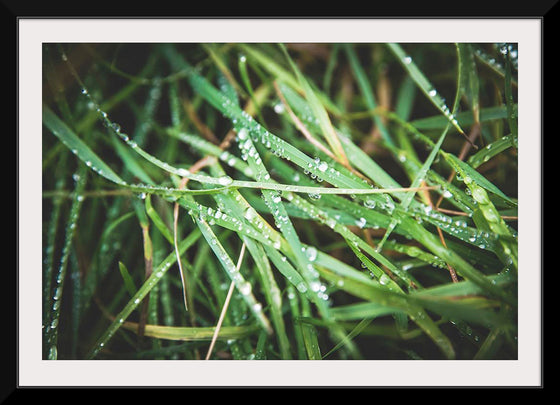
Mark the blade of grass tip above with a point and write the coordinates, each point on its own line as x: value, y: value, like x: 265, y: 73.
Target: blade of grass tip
x: 127, y: 279
x: 366, y: 90
x: 225, y: 306
x: 157, y: 220
x: 130, y: 163
x: 319, y: 111
x: 351, y: 335
x: 77, y: 146
x: 425, y: 85
x: 141, y: 293
x: 105, y: 255
x: 51, y: 330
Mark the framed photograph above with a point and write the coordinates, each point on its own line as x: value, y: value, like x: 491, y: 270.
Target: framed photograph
x: 279, y: 202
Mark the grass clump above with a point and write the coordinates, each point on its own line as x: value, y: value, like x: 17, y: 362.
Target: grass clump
x: 280, y: 201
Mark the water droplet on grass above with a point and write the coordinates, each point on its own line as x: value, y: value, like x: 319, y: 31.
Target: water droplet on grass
x: 250, y: 213
x: 225, y: 180
x: 361, y: 222
x: 311, y: 253
x: 384, y: 279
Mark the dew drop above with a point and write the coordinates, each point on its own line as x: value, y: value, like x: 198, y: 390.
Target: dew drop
x: 361, y: 222
x: 279, y: 108
x: 250, y: 213
x: 384, y: 279
x: 301, y: 287
x: 116, y: 127
x: 242, y: 134
x: 225, y: 180
x: 245, y: 288
x: 311, y: 253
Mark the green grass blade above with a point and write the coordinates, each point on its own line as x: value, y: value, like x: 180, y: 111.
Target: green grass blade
x: 157, y: 220
x: 193, y: 334
x: 127, y: 279
x: 366, y: 90
x: 319, y: 111
x: 424, y: 84
x: 236, y: 277
x: 491, y: 150
x: 52, y: 327
x: 77, y: 146
x: 141, y: 293
x: 470, y: 83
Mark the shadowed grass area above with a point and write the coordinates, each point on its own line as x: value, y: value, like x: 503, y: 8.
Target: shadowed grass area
x: 374, y: 187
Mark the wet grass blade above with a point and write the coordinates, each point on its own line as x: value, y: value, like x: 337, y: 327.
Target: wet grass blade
x: 424, y: 84
x: 320, y: 113
x: 141, y: 293
x: 77, y: 146
x: 52, y: 326
x: 240, y: 283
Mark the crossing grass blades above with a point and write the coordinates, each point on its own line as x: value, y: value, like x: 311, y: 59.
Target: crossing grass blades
x: 236, y: 201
